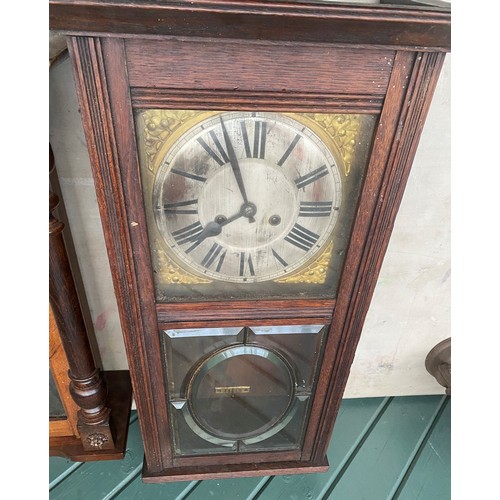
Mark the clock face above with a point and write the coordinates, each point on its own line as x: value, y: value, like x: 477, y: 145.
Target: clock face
x: 245, y: 197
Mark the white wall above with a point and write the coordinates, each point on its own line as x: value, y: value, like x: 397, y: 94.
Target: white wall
x: 410, y: 312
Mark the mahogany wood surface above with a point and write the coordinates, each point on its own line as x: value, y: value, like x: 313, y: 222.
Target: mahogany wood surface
x: 423, y: 28
x: 64, y: 301
x: 224, y: 459
x: 141, y: 64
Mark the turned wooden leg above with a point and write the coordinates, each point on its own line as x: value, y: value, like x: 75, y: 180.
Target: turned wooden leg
x: 87, y: 386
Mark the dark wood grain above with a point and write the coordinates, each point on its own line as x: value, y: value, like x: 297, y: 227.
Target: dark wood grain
x: 304, y: 22
x: 255, y: 67
x: 245, y: 100
x: 245, y: 310
x: 384, y: 136
x: 145, y: 340
x: 97, y: 404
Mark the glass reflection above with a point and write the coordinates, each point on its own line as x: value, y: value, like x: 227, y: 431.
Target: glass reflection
x: 241, y: 389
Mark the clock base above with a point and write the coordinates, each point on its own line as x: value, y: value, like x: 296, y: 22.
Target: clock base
x: 233, y: 470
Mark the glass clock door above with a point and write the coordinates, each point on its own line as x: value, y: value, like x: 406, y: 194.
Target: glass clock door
x: 240, y: 389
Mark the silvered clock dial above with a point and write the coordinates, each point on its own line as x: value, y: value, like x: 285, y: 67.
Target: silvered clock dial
x: 244, y: 197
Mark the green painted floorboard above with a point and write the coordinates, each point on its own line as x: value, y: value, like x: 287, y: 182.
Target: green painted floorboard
x: 377, y: 465
x: 353, y: 419
x: 430, y: 475
x: 137, y: 490
x: 381, y: 448
x: 242, y: 488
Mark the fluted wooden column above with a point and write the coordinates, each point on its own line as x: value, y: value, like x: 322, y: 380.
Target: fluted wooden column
x: 87, y: 386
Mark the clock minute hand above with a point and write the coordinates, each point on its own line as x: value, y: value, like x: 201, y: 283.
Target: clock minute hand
x: 235, y: 165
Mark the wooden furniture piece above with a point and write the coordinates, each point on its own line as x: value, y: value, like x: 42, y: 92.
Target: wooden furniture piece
x: 249, y: 161
x: 89, y: 409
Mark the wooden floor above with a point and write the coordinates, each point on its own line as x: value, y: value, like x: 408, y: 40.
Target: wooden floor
x: 381, y: 448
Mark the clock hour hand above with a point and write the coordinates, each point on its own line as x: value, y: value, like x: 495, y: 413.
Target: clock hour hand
x: 214, y: 228
x: 235, y: 166
x: 247, y: 210
x: 211, y: 229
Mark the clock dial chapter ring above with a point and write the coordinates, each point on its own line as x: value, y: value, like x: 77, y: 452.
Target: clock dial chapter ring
x: 286, y: 178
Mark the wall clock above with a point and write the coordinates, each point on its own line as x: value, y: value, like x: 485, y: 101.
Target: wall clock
x: 249, y: 160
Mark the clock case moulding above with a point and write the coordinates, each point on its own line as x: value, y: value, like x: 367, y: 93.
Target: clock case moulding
x: 309, y: 57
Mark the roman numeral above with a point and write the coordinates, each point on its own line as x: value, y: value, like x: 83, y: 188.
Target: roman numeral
x: 279, y: 258
x: 223, y: 158
x: 221, y: 260
x: 315, y: 208
x: 301, y: 237
x: 189, y: 175
x: 259, y: 140
x: 289, y: 150
x: 212, y: 254
x: 188, y: 234
x: 249, y: 263
x: 179, y: 207
x: 311, y: 176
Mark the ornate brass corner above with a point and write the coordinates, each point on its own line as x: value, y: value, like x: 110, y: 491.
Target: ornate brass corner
x: 170, y: 273
x: 342, y: 130
x: 161, y: 128
x: 314, y: 273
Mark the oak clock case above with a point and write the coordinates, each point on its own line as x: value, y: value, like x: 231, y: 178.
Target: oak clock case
x: 250, y: 204
x: 246, y: 205
x: 249, y: 161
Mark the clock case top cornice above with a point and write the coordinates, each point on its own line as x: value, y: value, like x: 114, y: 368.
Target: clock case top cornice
x: 403, y: 27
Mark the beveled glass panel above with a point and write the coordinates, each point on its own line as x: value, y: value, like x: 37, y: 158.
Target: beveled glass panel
x: 234, y: 390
